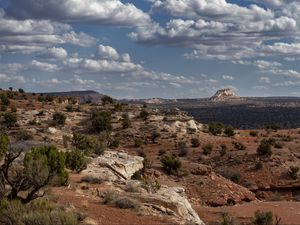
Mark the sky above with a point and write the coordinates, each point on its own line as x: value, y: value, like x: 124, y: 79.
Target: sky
x: 151, y: 48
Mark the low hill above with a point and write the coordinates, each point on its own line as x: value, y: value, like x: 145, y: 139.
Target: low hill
x: 83, y: 96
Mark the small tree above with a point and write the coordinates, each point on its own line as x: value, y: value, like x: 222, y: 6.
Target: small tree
x: 195, y: 142
x: 229, y: 131
x: 76, y: 161
x: 101, y: 121
x: 41, y: 166
x: 83, y: 143
x: 182, y: 148
x: 21, y: 90
x: 4, y: 145
x: 4, y: 100
x: 264, y: 149
x: 215, y: 128
x: 223, y: 150
x: 155, y: 134
x: 9, y: 119
x: 207, y: 149
x: 126, y: 123
x: 144, y: 114
x: 171, y: 164
x: 107, y: 100
x: 59, y: 118
x: 263, y: 218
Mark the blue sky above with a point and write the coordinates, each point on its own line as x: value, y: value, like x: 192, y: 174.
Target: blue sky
x: 151, y: 48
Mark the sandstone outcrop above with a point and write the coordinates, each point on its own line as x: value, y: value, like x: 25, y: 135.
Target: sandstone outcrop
x: 112, y: 166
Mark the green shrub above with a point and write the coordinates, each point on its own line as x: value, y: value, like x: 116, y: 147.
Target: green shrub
x: 146, y: 161
x: 227, y: 220
x: 138, y: 142
x: 4, y: 100
x: 21, y: 90
x: 70, y: 108
x: 231, y: 175
x: 155, y: 134
x: 4, y: 145
x: 182, y: 148
x: 263, y: 218
x: 107, y: 100
x: 229, y: 131
x: 126, y: 123
x: 264, y: 149
x: 9, y: 119
x: 114, y: 144
x: 215, y: 128
x: 293, y: 172
x: 23, y: 135
x: 171, y: 164
x: 127, y: 203
x: 207, y: 149
x: 109, y: 196
x: 253, y: 133
x: 59, y: 118
x: 195, y: 142
x: 239, y: 146
x: 258, y: 165
x: 101, y: 121
x: 144, y: 114
x: 223, y: 150
x: 76, y: 161
x: 40, y: 212
x: 41, y: 167
x: 83, y: 143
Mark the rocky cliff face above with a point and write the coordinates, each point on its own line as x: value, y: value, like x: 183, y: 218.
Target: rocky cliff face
x: 224, y: 95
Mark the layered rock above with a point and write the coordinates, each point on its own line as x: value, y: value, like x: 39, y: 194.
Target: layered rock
x: 114, y: 166
x: 224, y: 95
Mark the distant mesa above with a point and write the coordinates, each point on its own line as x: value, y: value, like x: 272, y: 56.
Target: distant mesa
x: 83, y: 96
x: 224, y: 95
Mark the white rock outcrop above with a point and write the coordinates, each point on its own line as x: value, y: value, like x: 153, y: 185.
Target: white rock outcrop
x: 176, y: 196
x: 112, y: 166
x: 224, y: 95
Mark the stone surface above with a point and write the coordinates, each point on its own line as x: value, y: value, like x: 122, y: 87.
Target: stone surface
x: 224, y: 95
x: 112, y: 166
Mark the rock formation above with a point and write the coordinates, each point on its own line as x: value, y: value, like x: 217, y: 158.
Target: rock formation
x: 224, y: 95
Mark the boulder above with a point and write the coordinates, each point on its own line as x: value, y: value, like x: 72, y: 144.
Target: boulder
x: 113, y: 166
x: 177, y: 197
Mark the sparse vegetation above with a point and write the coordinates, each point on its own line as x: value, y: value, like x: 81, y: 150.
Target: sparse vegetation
x: 195, y: 142
x: 215, y: 128
x: 41, y: 166
x: 239, y: 146
x: 264, y: 149
x: 83, y: 143
x: 138, y: 142
x: 144, y: 114
x: 182, y: 149
x: 171, y: 164
x: 293, y: 172
x: 207, y: 149
x: 253, y: 133
x: 9, y: 119
x: 223, y: 150
x: 40, y: 212
x: 229, y: 131
x: 107, y: 100
x: 76, y: 161
x: 59, y: 118
x: 265, y: 218
x: 101, y: 121
x: 126, y: 123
